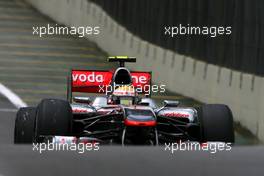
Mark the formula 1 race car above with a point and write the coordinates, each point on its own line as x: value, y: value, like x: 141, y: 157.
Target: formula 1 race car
x: 120, y: 113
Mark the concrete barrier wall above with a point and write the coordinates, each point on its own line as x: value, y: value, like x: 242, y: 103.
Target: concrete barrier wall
x: 208, y: 83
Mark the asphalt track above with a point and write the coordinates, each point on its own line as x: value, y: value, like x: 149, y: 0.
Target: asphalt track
x: 36, y: 68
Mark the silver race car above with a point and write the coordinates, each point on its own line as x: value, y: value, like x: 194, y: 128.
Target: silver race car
x: 120, y: 113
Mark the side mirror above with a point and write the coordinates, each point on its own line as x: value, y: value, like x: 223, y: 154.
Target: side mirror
x: 85, y: 100
x: 171, y: 103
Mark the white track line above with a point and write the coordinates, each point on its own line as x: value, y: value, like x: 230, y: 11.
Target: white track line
x: 7, y: 110
x: 12, y: 97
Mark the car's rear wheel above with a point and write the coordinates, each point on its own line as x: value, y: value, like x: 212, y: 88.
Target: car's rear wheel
x: 54, y: 117
x: 216, y: 123
x: 24, y: 125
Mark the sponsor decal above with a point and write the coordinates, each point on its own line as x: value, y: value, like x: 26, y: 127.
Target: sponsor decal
x: 88, y: 77
x: 75, y: 110
x: 100, y: 81
x: 176, y: 114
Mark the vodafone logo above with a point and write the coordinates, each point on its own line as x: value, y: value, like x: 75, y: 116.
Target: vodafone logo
x: 92, y: 77
x: 99, y: 81
x: 139, y: 79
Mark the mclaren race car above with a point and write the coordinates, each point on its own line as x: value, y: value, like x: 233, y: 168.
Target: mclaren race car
x: 120, y: 113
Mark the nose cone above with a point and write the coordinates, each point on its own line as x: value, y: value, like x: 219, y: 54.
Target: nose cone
x: 140, y: 120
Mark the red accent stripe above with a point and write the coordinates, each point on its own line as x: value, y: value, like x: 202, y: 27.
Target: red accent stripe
x: 137, y: 123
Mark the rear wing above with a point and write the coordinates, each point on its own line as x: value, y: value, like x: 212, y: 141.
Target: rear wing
x: 121, y: 59
x: 97, y: 81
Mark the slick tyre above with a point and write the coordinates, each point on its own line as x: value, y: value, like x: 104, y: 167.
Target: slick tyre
x: 54, y: 117
x: 216, y: 123
x: 24, y: 125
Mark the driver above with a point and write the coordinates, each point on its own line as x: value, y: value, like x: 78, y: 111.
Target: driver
x: 124, y: 95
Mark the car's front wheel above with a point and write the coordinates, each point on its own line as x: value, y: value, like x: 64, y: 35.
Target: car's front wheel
x: 216, y: 123
x: 54, y: 117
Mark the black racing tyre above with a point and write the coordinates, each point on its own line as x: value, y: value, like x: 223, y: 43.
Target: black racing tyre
x: 216, y: 123
x: 54, y: 117
x: 24, y: 125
